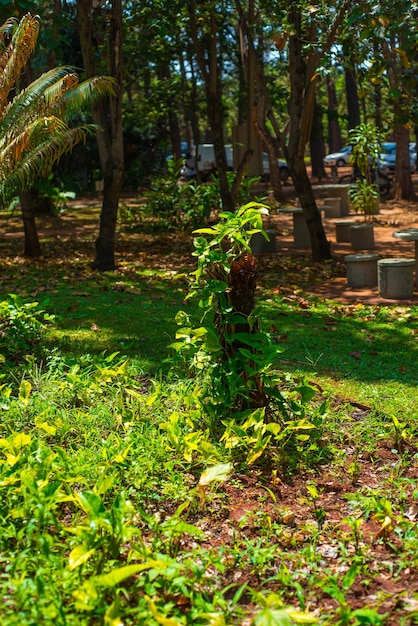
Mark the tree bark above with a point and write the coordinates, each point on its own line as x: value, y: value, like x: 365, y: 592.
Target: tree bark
x: 32, y: 246
x: 301, y: 107
x: 263, y: 109
x: 109, y: 118
x: 404, y: 187
x: 334, y: 131
x: 316, y: 144
x: 353, y: 106
x: 206, y: 47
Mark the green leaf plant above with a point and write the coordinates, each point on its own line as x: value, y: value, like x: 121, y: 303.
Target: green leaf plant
x: 366, y: 140
x: 229, y: 353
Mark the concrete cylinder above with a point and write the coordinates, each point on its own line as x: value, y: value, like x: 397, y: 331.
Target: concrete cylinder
x: 361, y: 270
x: 362, y: 236
x: 342, y: 231
x: 335, y: 203
x: 301, y: 237
x: 260, y: 245
x: 396, y: 278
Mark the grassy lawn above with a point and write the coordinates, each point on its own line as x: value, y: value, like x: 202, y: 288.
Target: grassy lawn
x: 118, y: 506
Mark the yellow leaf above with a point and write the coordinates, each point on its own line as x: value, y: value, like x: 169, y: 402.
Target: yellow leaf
x: 216, y: 472
x: 50, y: 430
x: 161, y: 619
x: 78, y: 556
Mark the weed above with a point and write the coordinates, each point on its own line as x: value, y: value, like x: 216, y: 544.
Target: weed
x: 231, y: 349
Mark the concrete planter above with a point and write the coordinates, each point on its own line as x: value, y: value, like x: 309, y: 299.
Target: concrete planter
x: 396, y: 278
x: 361, y: 270
x: 342, y: 230
x: 260, y: 245
x: 362, y: 236
x: 335, y: 207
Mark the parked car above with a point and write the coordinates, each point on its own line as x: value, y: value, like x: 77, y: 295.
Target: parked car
x: 338, y: 159
x: 387, y: 160
x: 205, y: 160
x: 184, y: 153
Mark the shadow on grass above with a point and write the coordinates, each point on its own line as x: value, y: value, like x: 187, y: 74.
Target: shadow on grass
x: 366, y: 343
x: 132, y: 311
x: 117, y: 316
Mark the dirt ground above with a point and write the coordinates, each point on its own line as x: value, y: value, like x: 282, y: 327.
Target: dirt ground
x: 78, y: 227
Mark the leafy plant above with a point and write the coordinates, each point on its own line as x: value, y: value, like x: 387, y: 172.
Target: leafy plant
x: 366, y: 140
x: 363, y: 196
x: 51, y: 195
x: 229, y: 348
x: 179, y: 205
x: 229, y: 342
x: 21, y: 326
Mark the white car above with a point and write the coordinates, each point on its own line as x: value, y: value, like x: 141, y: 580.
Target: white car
x: 387, y: 160
x: 338, y: 159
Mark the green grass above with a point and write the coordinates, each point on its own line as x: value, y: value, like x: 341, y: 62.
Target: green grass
x: 361, y: 352
x: 106, y: 512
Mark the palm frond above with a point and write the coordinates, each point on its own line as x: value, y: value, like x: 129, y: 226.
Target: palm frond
x: 86, y: 93
x: 38, y: 163
x: 33, y: 129
x: 16, y: 54
x: 34, y: 95
x: 14, y: 146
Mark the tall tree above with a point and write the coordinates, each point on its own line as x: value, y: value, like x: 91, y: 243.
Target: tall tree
x: 94, y: 17
x: 260, y: 111
x: 353, y: 104
x: 204, y: 29
x: 396, y: 52
x: 334, y: 131
x: 310, y: 38
x: 316, y: 143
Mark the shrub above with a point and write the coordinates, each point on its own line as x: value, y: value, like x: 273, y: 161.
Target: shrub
x: 21, y: 326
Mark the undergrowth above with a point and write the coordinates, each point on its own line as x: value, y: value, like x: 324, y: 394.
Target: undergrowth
x: 121, y: 503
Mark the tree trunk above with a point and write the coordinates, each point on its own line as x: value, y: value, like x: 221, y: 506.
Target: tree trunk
x: 262, y: 110
x: 110, y: 138
x: 301, y: 108
x: 334, y: 131
x: 404, y: 187
x: 321, y: 247
x: 32, y: 246
x: 206, y: 48
x: 353, y: 106
x: 316, y: 144
x: 173, y: 120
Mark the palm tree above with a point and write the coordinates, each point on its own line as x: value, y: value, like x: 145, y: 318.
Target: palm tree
x: 35, y: 123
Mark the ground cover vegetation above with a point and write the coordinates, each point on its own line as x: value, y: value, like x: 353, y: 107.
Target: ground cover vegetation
x: 128, y: 497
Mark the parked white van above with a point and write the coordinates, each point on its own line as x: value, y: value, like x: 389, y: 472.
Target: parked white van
x: 205, y: 158
x: 206, y: 163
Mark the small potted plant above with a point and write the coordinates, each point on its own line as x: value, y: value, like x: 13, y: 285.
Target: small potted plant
x: 366, y: 140
x: 98, y: 180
